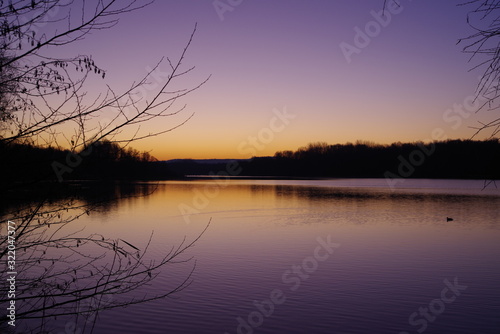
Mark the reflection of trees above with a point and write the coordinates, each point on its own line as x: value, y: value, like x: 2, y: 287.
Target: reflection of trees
x: 64, y: 273
x: 380, y: 193
x: 358, y: 206
x: 101, y: 196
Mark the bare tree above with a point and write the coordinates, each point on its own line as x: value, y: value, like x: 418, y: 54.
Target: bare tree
x: 63, y: 272
x: 45, y: 101
x: 50, y: 92
x: 483, y: 46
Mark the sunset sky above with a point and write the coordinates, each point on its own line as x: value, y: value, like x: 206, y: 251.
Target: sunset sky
x: 289, y: 58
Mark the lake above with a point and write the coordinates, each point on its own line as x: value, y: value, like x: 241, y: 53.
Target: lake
x: 313, y: 256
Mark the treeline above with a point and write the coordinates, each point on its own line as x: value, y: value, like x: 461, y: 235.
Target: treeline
x: 453, y: 159
x: 457, y: 159
x: 104, y: 160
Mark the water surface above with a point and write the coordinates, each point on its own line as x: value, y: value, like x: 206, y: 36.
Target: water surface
x: 392, y: 253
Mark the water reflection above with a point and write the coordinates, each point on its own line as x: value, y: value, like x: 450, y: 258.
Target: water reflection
x: 396, y: 250
x: 300, y: 203
x: 103, y: 197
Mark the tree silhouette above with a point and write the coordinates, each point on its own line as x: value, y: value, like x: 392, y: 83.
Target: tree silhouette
x: 47, y: 93
x: 45, y: 101
x: 483, y: 46
x: 62, y: 272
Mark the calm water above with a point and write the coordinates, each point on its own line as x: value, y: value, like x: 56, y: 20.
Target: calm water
x: 329, y: 256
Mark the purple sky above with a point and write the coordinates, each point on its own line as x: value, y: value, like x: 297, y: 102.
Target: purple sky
x: 286, y: 57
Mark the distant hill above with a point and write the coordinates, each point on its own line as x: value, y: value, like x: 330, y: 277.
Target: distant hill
x: 200, y: 166
x: 203, y: 161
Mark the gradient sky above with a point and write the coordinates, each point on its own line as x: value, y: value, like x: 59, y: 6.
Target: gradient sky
x: 267, y: 56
